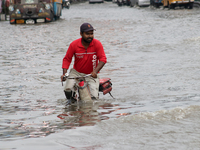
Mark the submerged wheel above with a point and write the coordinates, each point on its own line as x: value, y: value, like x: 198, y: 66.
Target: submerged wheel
x: 156, y: 5
x: 186, y: 6
x: 119, y: 4
x: 191, y: 5
x: 170, y: 6
x: 56, y: 17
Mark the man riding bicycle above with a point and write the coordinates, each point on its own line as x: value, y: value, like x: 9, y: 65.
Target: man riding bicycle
x: 89, y: 58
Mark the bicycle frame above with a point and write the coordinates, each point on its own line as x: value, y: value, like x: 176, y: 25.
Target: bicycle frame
x: 81, y: 89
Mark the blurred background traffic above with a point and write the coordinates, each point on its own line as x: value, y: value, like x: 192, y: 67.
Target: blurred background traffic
x: 39, y: 11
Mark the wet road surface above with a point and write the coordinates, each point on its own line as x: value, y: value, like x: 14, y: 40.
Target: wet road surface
x: 153, y: 63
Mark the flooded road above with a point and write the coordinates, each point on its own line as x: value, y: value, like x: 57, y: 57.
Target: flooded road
x: 153, y: 62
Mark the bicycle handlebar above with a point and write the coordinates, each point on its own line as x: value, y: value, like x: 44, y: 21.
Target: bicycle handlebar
x: 66, y: 77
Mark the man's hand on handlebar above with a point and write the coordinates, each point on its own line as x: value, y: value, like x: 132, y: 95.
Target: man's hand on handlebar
x: 62, y: 78
x: 94, y: 74
x: 64, y: 74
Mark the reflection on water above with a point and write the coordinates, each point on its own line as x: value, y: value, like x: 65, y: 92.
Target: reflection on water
x: 80, y: 115
x: 87, y: 114
x: 72, y: 116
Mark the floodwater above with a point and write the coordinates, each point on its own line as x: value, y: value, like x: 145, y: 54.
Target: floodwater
x: 153, y: 62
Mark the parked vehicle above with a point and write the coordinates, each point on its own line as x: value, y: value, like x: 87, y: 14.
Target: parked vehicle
x: 81, y: 90
x: 156, y: 3
x: 171, y: 4
x: 95, y: 1
x: 139, y: 3
x: 123, y: 2
x: 34, y: 11
x: 120, y: 2
x: 66, y: 4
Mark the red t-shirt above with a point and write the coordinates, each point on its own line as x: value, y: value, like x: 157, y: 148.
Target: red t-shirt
x: 85, y: 60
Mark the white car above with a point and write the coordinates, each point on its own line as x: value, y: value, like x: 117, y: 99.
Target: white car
x: 96, y: 1
x: 139, y: 3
